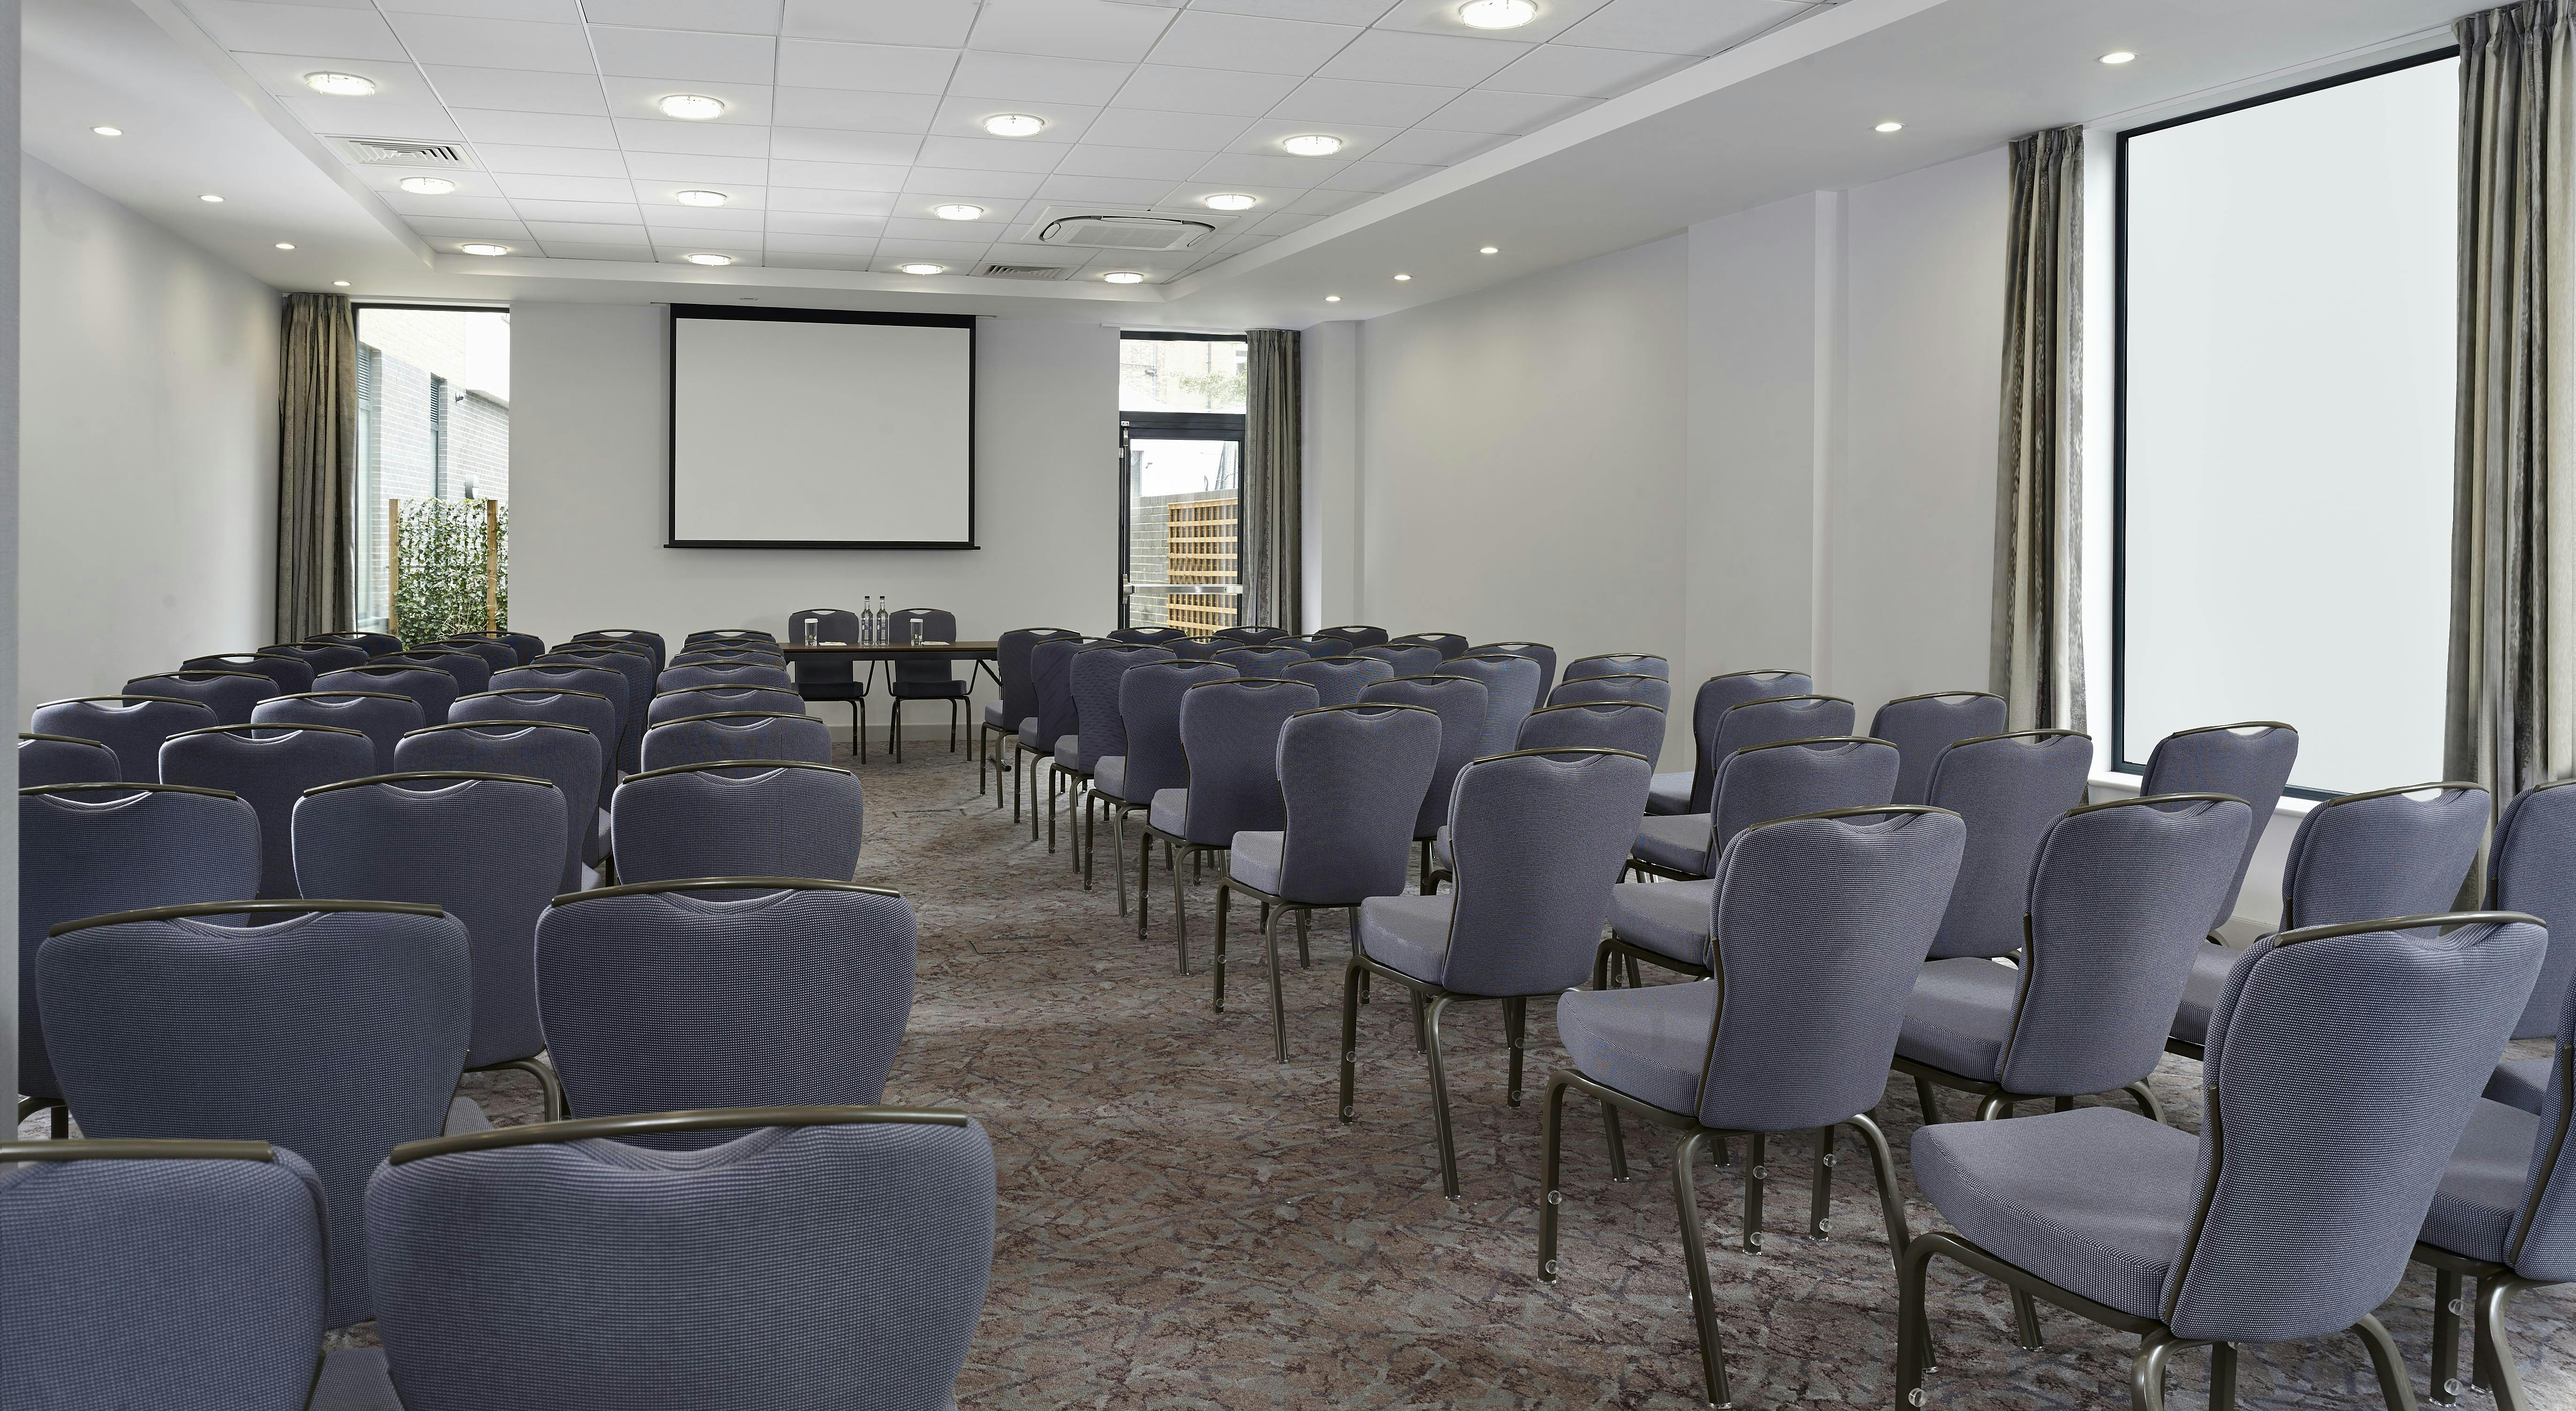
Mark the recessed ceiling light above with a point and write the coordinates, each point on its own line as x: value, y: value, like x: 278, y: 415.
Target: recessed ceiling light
x: 284, y: 246
x: 700, y: 198
x: 1312, y: 144
x: 1497, y: 14
x: 923, y: 269
x: 709, y: 259
x: 2118, y: 56
x: 340, y: 85
x: 104, y: 130
x: 427, y: 185
x: 694, y: 107
x: 212, y: 198
x: 959, y: 211
x: 485, y: 249
x: 339, y: 284
x: 1013, y: 124
x: 1889, y: 127
x: 1332, y: 298
x: 1229, y: 201
x: 1402, y: 277
x: 1490, y: 250
x: 1124, y: 276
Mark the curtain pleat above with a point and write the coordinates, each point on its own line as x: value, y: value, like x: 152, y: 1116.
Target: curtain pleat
x: 317, y: 466
x: 2037, y: 660
x: 2511, y: 717
x: 1273, y: 504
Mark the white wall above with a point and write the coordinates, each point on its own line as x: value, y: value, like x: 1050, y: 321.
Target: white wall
x: 147, y: 447
x: 589, y: 440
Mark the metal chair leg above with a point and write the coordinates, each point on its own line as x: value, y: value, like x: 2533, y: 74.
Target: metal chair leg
x: 1090, y: 833
x: 1927, y: 1100
x: 1305, y: 960
x: 1428, y: 887
x: 1820, y: 1193
x: 1756, y: 1175
x: 1278, y: 1002
x: 2222, y: 1376
x: 1913, y: 1345
x: 1118, y: 853
x: 2444, y: 1374
x: 1616, y: 1141
x: 1891, y: 1198
x: 1447, y: 1138
x: 1551, y: 1131
x: 1216, y: 953
x: 1352, y: 974
x: 2395, y: 1388
x: 2026, y: 1322
x: 1180, y: 908
x: 1515, y: 1029
x: 1055, y: 785
x: 2503, y: 1374
x: 1712, y: 1350
x: 894, y: 728
x: 549, y: 1085
x: 2147, y: 1371
x: 1144, y: 873
x: 2146, y: 1100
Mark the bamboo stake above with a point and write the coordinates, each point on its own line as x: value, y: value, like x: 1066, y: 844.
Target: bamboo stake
x: 393, y: 568
x: 491, y: 565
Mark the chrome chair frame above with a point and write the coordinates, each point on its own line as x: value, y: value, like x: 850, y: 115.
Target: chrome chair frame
x: 2491, y: 1361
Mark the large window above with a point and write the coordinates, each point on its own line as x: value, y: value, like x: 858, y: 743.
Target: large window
x: 2285, y: 388
x: 433, y: 424
x: 1180, y: 412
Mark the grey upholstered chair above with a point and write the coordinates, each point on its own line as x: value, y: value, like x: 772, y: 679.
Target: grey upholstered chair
x: 1448, y: 644
x: 922, y: 678
x: 497, y: 655
x: 605, y: 682
x: 1316, y: 646
x: 771, y: 657
x: 522, y: 647
x: 1609, y: 725
x: 826, y: 680
x: 230, y: 694
x: 2250, y: 761
x: 162, y: 1273
x: 1460, y: 704
x: 686, y: 678
x: 1821, y: 923
x: 374, y: 644
x: 1094, y: 677
x: 1618, y: 664
x: 1348, y: 778
x: 1019, y: 702
x: 1339, y: 680
x: 1151, y: 758
x: 566, y: 756
x: 737, y: 734
x: 487, y: 849
x: 92, y: 849
x: 1921, y: 727
x: 268, y: 767
x: 1407, y: 660
x: 61, y: 759
x: 289, y: 674
x: 336, y: 1032
x: 2012, y: 789
x: 1051, y: 673
x: 1538, y: 835
x: 133, y: 726
x: 382, y: 716
x: 727, y: 634
x: 2532, y: 868
x: 472, y: 672
x: 2355, y: 858
x: 590, y: 710
x: 669, y: 1278
x: 321, y: 656
x: 638, y: 666
x: 724, y: 992
x: 2347, y: 1061
x: 1682, y: 845
x: 737, y: 818
x: 1269, y: 661
x: 715, y: 700
x: 1689, y: 792
x: 1230, y: 733
x: 1655, y: 691
x: 1150, y: 636
x: 1512, y: 690
x: 1538, y: 652
x: 651, y: 642
x: 431, y: 689
x: 1358, y: 635
x: 1253, y: 635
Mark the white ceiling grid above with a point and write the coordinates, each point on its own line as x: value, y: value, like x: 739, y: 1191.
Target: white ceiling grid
x: 847, y: 121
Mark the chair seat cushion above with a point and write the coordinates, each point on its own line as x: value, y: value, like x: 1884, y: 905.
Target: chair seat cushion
x: 1679, y: 842
x: 1170, y: 812
x: 2209, y: 967
x: 1650, y: 1043
x: 1668, y: 918
x: 1668, y: 794
x: 1029, y: 732
x: 1959, y: 1016
x: 925, y: 690
x: 1256, y: 860
x: 993, y: 715
x: 2520, y: 1082
x: 1409, y: 934
x: 1068, y: 751
x: 2096, y: 1200
x: 2484, y: 1188
x: 1442, y: 859
x: 1109, y: 775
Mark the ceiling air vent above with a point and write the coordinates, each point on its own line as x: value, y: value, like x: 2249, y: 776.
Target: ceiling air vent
x: 1025, y: 271
x: 1101, y: 232
x: 398, y: 152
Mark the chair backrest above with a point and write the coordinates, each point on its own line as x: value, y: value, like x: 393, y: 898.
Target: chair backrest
x: 230, y: 694
x: 590, y: 676
x: 60, y: 759
x: 1536, y: 840
x: 2116, y: 895
x: 2531, y: 868
x: 1095, y: 676
x: 651, y: 641
x: 1358, y: 635
x: 1230, y: 731
x: 1011, y: 652
x: 1150, y: 636
x: 382, y: 716
x: 728, y: 656
x: 1254, y: 635
x: 772, y: 818
x: 644, y: 1278
x: 321, y: 656
x: 268, y: 767
x: 337, y: 1033
x: 133, y: 726
x: 566, y: 756
x: 290, y: 673
x: 1448, y: 644
x: 1051, y: 673
x: 497, y: 655
x: 2541, y: 1242
x: 1414, y: 660
x: 1149, y: 712
x: 432, y: 689
x: 372, y: 643
x: 2341, y: 1068
x: 523, y: 647
x: 589, y: 710
x: 1539, y: 652
x: 159, y: 1274
x: 748, y: 673
x: 1921, y: 727
x: 2011, y: 789
x: 1820, y: 924
x: 1785, y: 778
x: 726, y: 634
x: 1460, y: 704
x: 830, y: 625
x: 1512, y: 691
x: 1261, y: 661
x: 737, y: 734
x: 1313, y: 645
x: 641, y: 672
x: 1350, y: 777
x: 472, y: 672
x: 937, y: 625
x: 1719, y: 694
x: 1608, y: 725
x: 1619, y: 664
x: 1338, y: 680
x: 2250, y: 761
x: 714, y: 700
x: 1655, y: 691
x: 724, y: 992
x: 2388, y: 852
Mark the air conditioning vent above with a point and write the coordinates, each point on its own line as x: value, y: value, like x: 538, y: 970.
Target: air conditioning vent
x: 1125, y: 232
x: 1025, y: 271
x: 398, y: 152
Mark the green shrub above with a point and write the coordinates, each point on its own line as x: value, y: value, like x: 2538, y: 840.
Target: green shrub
x: 440, y: 593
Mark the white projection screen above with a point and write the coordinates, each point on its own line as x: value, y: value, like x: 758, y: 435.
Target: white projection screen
x: 821, y: 429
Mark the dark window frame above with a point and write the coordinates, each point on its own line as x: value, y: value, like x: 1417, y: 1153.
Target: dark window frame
x: 1173, y: 426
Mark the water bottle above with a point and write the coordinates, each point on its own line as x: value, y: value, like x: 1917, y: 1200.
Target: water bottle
x: 881, y: 621
x: 867, y: 622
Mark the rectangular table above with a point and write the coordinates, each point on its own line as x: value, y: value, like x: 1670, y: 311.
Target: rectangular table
x: 982, y: 654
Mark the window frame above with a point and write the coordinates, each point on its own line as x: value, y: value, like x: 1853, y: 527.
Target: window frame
x: 357, y: 519
x: 1173, y: 426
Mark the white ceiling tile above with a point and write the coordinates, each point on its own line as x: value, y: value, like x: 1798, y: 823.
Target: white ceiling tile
x: 939, y: 23
x: 799, y: 260
x: 992, y: 153
x: 804, y: 144
x: 1375, y: 176
x: 299, y: 29
x: 703, y: 138
x: 388, y: 180
x: 678, y: 166
x: 1069, y: 29
x: 1138, y: 163
x: 522, y: 185
x: 746, y: 104
x: 586, y: 232
x: 553, y: 161
x: 518, y: 90
x: 1155, y: 262
x: 1427, y: 147
x: 964, y: 117
x: 599, y: 212
x: 903, y: 228
x: 1208, y: 40
x: 1441, y: 17
x: 1262, y: 139
x: 1166, y: 88
x: 678, y: 252
x: 424, y: 119
x: 820, y: 202
x: 495, y: 44
x: 1124, y: 191
x: 971, y: 185
x: 454, y: 228
x: 1021, y: 253
x: 1320, y: 202
x: 1189, y: 132
x: 951, y: 252
x: 1578, y: 72
x: 921, y: 205
x: 660, y: 198
x: 575, y: 250
x: 283, y: 74
x: 876, y: 68
x: 684, y: 218
x: 807, y: 223
x: 534, y: 129
x: 1284, y: 223
x: 1490, y: 110
x: 1270, y: 171
x: 849, y: 108
x: 683, y: 55
x: 1679, y: 26
x: 856, y: 246
x: 1350, y: 12
x: 403, y: 203
x: 1034, y: 78
x: 550, y: 11
x: 1399, y: 56
x: 724, y: 16
x: 1331, y: 100
x: 837, y: 176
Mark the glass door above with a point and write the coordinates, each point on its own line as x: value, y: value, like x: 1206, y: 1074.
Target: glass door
x: 1180, y: 401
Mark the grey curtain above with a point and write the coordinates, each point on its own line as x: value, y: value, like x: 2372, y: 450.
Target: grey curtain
x: 2037, y: 660
x: 317, y: 466
x: 2511, y: 720
x: 1273, y: 497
